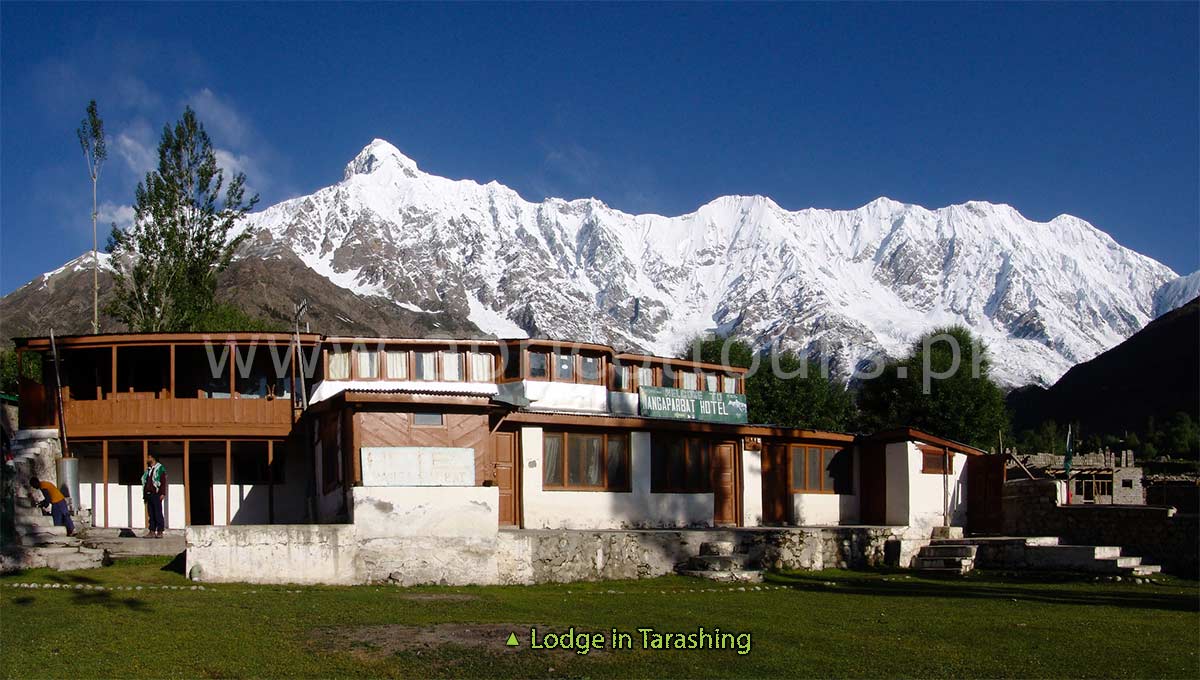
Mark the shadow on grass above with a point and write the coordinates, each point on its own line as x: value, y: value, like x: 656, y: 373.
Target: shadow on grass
x: 178, y: 564
x: 1027, y: 590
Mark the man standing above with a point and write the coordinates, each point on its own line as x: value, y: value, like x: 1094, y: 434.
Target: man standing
x: 154, y: 487
x: 57, y: 502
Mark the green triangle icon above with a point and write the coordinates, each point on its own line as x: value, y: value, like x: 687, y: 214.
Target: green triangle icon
x: 512, y: 640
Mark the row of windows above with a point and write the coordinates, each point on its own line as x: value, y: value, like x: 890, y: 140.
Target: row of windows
x: 430, y: 365
x: 600, y: 462
x: 628, y: 378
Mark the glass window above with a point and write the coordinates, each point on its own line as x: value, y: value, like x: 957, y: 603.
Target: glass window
x: 552, y: 454
x: 512, y: 364
x: 935, y: 462
x: 621, y: 378
x: 426, y: 366
x: 452, y: 366
x: 816, y: 470
x: 427, y: 419
x: 710, y: 382
x: 538, y: 369
x: 483, y: 367
x: 339, y: 364
x: 564, y: 367
x: 368, y: 364
x: 730, y: 384
x: 585, y: 461
x: 397, y: 365
x: 617, y: 456
x: 687, y: 380
x: 679, y: 465
x: 589, y: 369
x: 645, y: 376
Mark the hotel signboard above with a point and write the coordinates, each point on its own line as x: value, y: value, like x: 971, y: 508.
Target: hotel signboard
x: 681, y: 404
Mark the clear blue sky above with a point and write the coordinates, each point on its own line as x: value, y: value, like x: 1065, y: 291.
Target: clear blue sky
x: 1085, y: 109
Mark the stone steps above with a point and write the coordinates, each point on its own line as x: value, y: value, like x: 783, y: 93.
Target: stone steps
x: 722, y: 561
x: 1036, y: 553
x: 945, y: 556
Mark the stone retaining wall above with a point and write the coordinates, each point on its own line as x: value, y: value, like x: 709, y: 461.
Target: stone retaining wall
x: 1160, y: 535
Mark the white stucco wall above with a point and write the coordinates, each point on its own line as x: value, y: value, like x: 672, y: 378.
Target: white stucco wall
x: 545, y: 509
x: 914, y: 498
x: 543, y: 394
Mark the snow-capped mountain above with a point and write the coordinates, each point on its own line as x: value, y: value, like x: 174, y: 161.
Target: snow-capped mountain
x: 408, y: 249
x: 1045, y: 296
x: 1176, y: 293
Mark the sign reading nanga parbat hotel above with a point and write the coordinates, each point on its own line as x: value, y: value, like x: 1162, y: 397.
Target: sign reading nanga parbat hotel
x: 681, y: 404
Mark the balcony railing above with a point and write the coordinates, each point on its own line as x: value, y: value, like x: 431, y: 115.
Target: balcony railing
x: 128, y: 416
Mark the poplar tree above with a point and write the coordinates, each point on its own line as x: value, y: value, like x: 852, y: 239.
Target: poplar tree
x: 179, y: 241
x: 95, y: 151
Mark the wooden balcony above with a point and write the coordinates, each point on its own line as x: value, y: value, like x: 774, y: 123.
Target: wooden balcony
x: 144, y: 414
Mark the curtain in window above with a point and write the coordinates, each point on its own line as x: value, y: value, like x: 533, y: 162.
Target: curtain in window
x: 339, y: 365
x: 482, y: 367
x: 397, y: 365
x: 645, y: 376
x: 592, y: 451
x: 452, y: 366
x: 731, y: 385
x: 621, y: 378
x: 426, y: 366
x: 688, y: 380
x: 618, y: 467
x: 710, y: 382
x: 368, y: 364
x: 552, y: 461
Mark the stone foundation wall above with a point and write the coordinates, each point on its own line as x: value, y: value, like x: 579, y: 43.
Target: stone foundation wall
x: 347, y: 554
x: 1158, y: 534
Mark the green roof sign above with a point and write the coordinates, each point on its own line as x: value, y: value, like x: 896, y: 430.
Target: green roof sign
x: 681, y: 404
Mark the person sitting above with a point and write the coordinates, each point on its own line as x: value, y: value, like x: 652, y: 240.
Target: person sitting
x: 57, y: 502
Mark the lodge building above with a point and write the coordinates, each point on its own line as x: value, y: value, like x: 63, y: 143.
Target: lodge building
x: 259, y: 429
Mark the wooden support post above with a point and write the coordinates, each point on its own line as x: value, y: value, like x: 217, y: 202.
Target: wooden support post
x: 270, y: 481
x: 145, y: 465
x: 232, y: 370
x: 187, y: 482
x: 172, y: 379
x: 104, y: 476
x: 114, y: 373
x: 228, y: 481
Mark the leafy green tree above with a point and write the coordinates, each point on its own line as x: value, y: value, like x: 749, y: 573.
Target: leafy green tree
x: 1181, y: 437
x: 169, y: 259
x: 95, y: 152
x: 226, y: 317
x: 943, y: 386
x: 781, y: 389
x: 10, y: 371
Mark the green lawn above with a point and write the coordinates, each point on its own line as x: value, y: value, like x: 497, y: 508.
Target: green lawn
x: 827, y: 624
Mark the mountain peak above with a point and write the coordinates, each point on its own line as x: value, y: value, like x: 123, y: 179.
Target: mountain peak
x: 379, y: 155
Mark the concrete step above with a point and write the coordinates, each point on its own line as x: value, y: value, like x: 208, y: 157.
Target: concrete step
x: 50, y: 540
x: 717, y: 548
x: 1142, y: 570
x: 962, y: 564
x: 944, y: 571
x: 741, y: 576
x: 720, y: 562
x: 940, y: 550
x: 78, y: 560
x: 33, y: 520
x: 1082, y: 557
x: 29, y: 529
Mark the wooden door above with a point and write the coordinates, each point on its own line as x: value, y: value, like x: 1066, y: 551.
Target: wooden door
x: 725, y: 485
x: 776, y: 499
x: 872, y: 484
x: 985, y: 484
x: 504, y: 461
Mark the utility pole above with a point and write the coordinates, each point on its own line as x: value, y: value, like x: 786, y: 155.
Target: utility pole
x: 300, y: 309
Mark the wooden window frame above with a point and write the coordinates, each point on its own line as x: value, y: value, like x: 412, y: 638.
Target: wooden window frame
x: 528, y: 366
x: 423, y: 426
x: 331, y: 352
x: 462, y: 366
x: 379, y: 364
x: 826, y: 454
x: 384, y: 364
x: 614, y: 369
x: 943, y: 457
x: 600, y: 364
x: 691, y: 447
x: 437, y: 365
x: 574, y: 367
x: 564, y: 435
